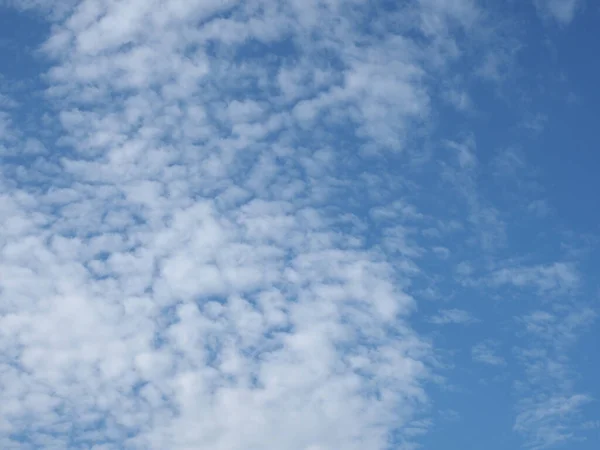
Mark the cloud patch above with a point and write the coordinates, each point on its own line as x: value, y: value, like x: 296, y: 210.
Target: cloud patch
x: 561, y: 11
x: 556, y: 278
x: 487, y: 353
x: 223, y: 223
x: 453, y: 316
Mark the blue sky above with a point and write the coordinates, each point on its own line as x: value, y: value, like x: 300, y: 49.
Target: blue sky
x: 299, y: 225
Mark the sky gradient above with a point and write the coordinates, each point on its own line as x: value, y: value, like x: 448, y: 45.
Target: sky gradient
x: 299, y: 224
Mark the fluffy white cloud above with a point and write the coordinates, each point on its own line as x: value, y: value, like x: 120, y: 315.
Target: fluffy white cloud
x: 175, y: 278
x: 220, y: 217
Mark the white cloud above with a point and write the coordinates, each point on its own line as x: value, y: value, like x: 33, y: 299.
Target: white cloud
x: 556, y: 278
x: 536, y: 123
x: 460, y: 99
x: 198, y: 254
x: 559, y: 328
x: 179, y: 276
x: 450, y: 316
x: 486, y: 352
x: 441, y: 252
x: 464, y: 269
x: 562, y: 11
x: 550, y: 406
x: 539, y: 207
x: 544, y: 421
x: 509, y: 162
x: 6, y: 102
x: 591, y: 425
x: 398, y: 210
x: 462, y: 175
x: 465, y: 152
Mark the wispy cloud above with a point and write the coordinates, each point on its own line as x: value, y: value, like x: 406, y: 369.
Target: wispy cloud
x: 562, y: 11
x: 539, y: 208
x: 546, y: 422
x: 462, y: 174
x: 550, y: 405
x: 536, y: 123
x: 556, y: 278
x: 487, y: 353
x: 450, y: 316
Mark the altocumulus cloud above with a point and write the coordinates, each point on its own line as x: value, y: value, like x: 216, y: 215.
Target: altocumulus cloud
x: 221, y: 218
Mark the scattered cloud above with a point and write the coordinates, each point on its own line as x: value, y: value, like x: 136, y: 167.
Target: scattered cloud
x: 465, y: 152
x: 220, y: 219
x: 591, y: 425
x: 486, y: 353
x: 550, y: 405
x: 540, y: 208
x: 556, y: 278
x: 441, y: 252
x: 463, y: 175
x: 561, y: 11
x: 509, y: 163
x: 175, y: 272
x: 460, y: 99
x: 453, y: 316
x: 536, y: 123
x: 545, y: 421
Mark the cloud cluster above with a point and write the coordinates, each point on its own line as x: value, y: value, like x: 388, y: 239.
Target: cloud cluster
x: 555, y: 278
x: 219, y: 218
x: 176, y: 272
x: 551, y: 403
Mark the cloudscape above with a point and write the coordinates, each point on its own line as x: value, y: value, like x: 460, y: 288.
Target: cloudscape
x: 299, y: 224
